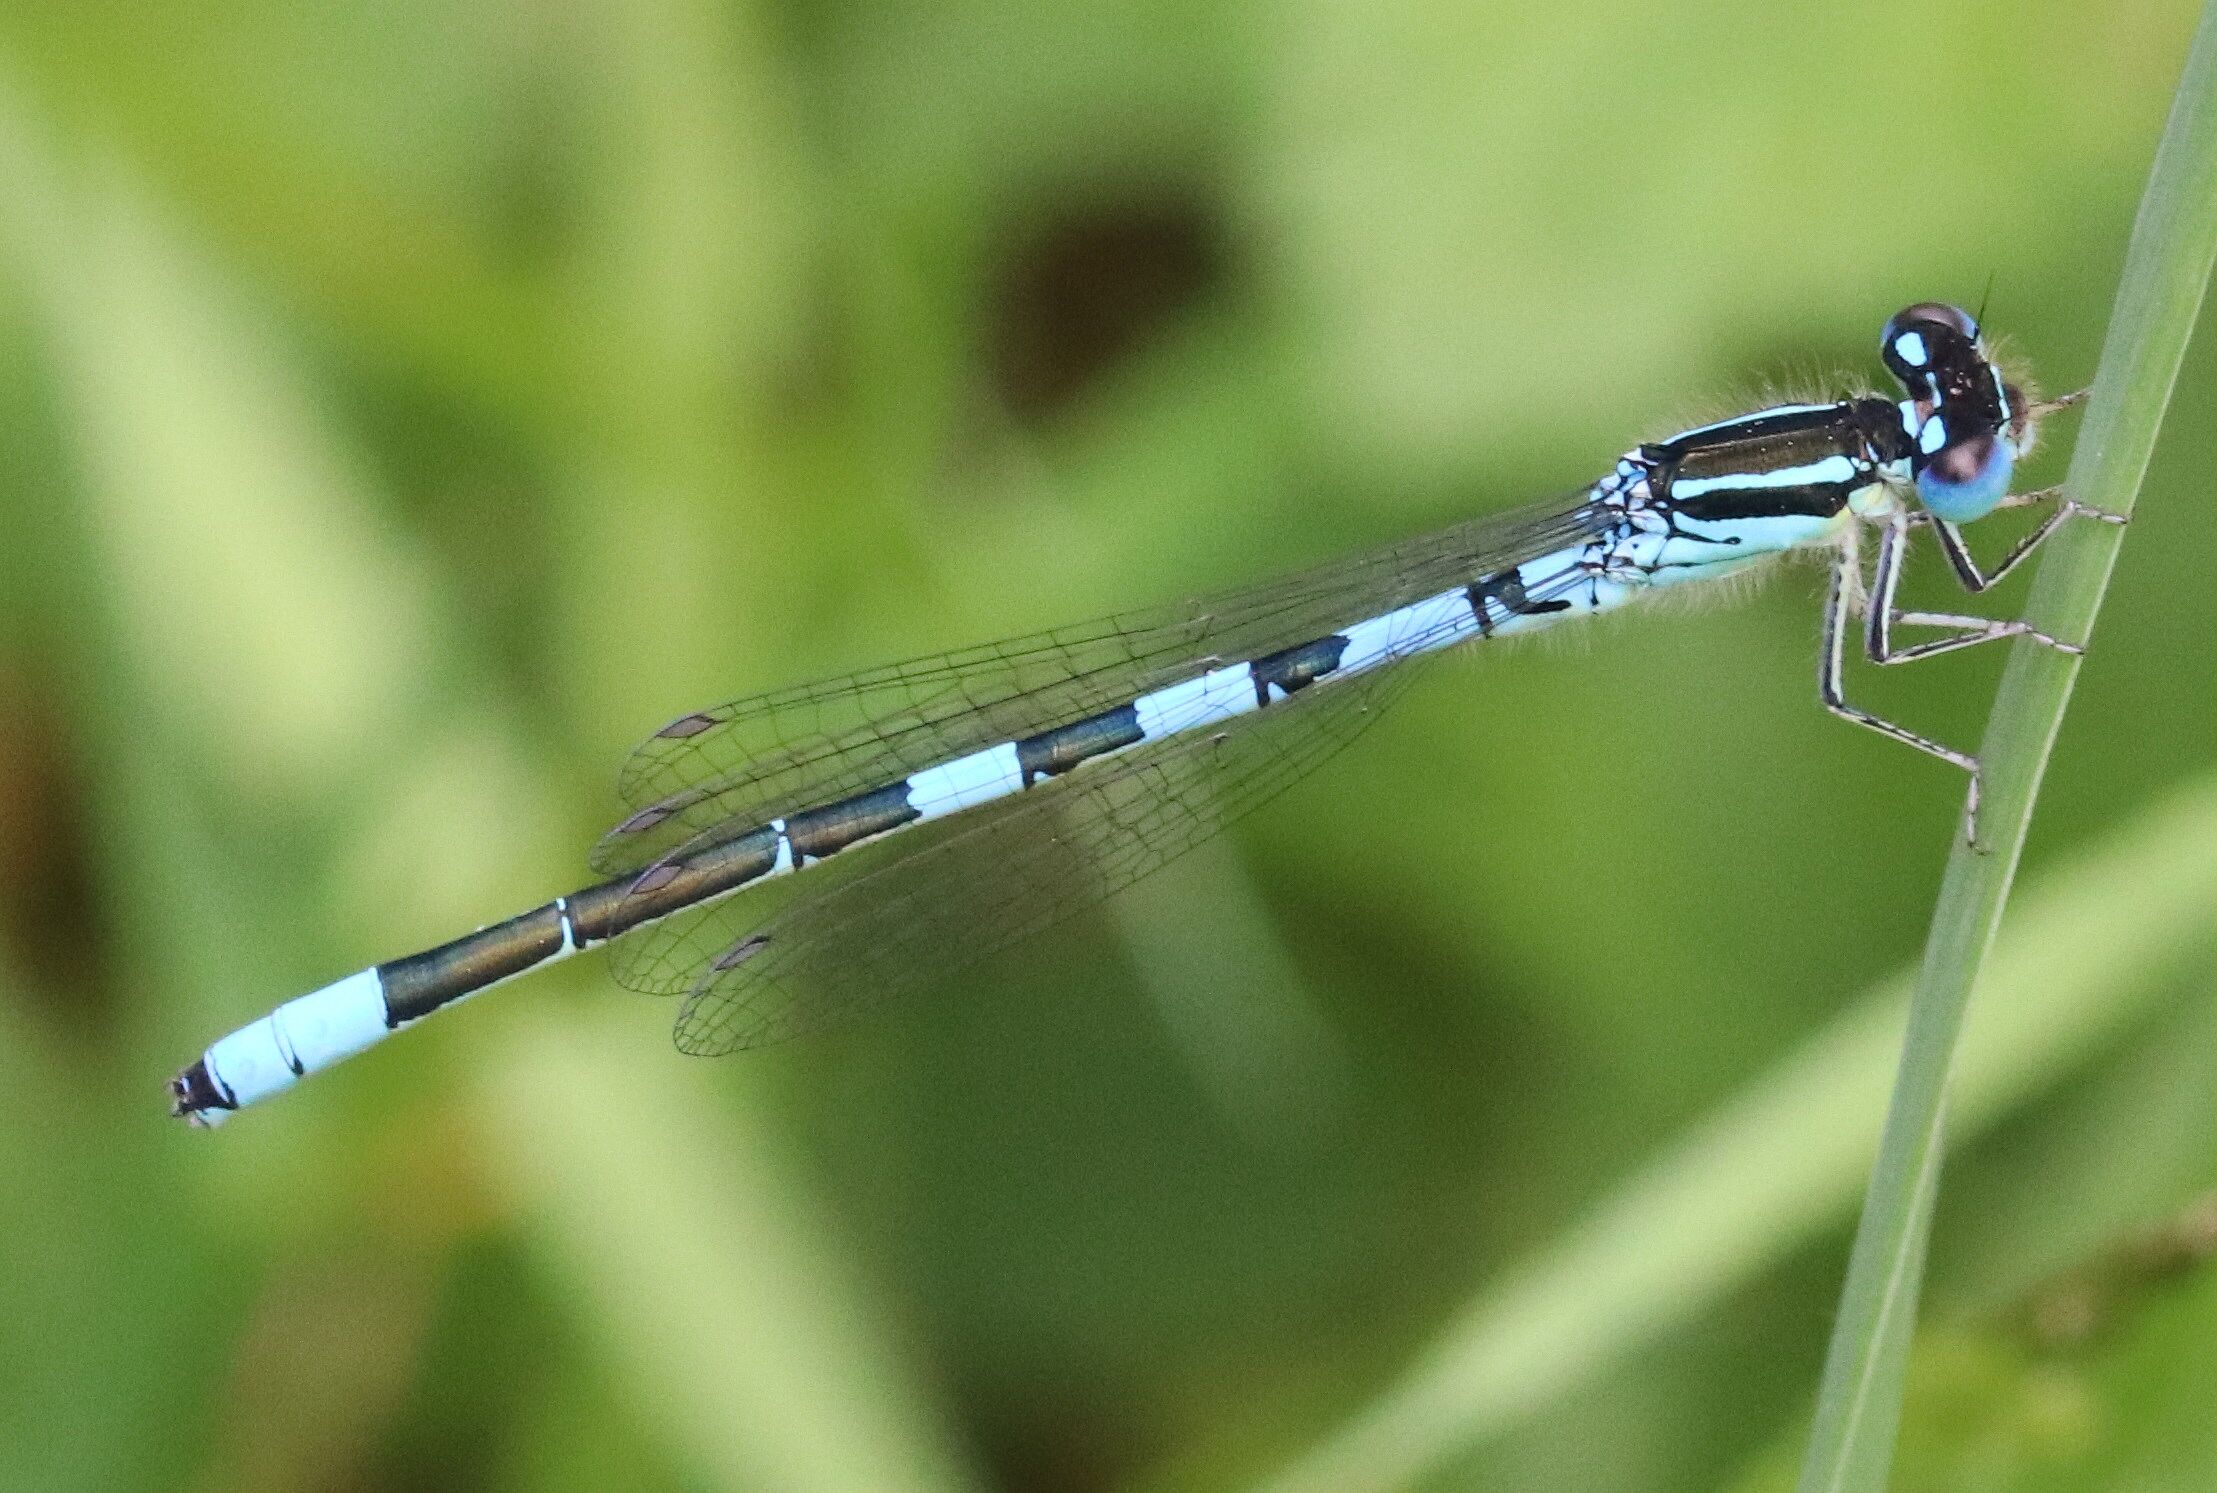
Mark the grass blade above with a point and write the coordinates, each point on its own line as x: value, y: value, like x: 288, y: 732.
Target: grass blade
x: 2167, y: 265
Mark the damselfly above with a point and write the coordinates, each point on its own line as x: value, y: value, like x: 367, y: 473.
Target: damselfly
x: 1014, y: 783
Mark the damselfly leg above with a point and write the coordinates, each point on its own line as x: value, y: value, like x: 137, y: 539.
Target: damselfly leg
x: 1965, y: 565
x: 1831, y: 687
x: 1881, y: 615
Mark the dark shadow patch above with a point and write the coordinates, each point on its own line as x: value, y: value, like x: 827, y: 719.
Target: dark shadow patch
x: 50, y: 914
x: 1081, y: 287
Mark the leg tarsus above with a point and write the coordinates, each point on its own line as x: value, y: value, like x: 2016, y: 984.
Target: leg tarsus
x: 1967, y: 571
x: 2042, y: 408
x: 1881, y: 615
x: 1973, y: 631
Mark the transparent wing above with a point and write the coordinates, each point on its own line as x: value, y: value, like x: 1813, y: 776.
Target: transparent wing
x: 1005, y: 872
x: 754, y: 760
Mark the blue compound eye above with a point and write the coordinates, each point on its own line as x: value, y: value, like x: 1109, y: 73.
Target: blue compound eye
x: 1963, y: 480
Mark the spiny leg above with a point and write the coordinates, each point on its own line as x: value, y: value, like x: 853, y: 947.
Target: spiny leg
x: 1831, y: 667
x: 1880, y: 614
x: 1965, y: 565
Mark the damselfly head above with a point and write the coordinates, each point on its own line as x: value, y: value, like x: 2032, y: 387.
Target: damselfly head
x: 1966, y: 424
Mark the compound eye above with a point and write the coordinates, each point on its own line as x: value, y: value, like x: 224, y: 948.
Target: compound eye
x: 1964, y: 480
x: 1922, y: 338
x: 1940, y: 314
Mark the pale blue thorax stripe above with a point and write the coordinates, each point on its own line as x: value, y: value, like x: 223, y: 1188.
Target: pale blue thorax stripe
x: 1837, y: 468
x: 965, y: 782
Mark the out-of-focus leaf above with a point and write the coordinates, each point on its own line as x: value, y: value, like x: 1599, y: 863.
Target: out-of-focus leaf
x: 206, y: 507
x: 2076, y: 962
x: 673, y: 1226
x: 2125, y: 1409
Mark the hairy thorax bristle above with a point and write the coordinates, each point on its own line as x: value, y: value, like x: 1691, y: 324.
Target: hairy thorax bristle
x: 1812, y: 383
x: 2024, y: 394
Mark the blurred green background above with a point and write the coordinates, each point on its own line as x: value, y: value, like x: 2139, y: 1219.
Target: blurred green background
x: 406, y: 407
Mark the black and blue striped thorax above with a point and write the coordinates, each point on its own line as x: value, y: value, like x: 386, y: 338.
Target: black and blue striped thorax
x: 1797, y: 460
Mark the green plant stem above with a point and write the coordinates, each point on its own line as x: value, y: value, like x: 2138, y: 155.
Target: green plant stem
x: 2167, y: 265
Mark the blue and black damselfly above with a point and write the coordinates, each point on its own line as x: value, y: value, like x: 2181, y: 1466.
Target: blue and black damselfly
x: 1014, y: 783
